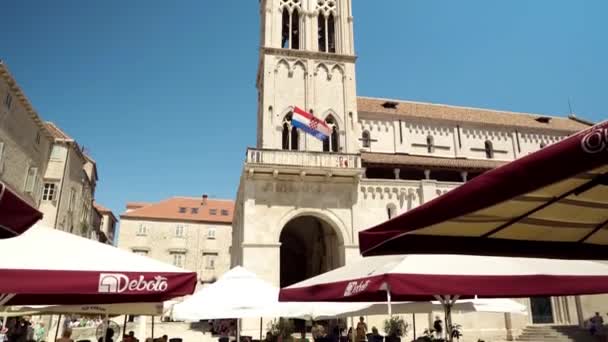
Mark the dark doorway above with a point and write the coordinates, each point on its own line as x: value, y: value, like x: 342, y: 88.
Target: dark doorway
x: 309, y: 246
x: 542, y: 310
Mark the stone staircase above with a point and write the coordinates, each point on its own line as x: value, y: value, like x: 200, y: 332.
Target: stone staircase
x: 556, y: 333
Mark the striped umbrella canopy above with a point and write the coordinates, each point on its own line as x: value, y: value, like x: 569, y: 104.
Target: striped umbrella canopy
x: 550, y: 204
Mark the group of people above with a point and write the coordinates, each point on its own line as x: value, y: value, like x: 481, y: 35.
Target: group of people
x: 22, y: 329
x: 596, y: 324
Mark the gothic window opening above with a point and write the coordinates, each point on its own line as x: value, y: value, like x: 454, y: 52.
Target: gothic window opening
x: 322, y: 33
x: 290, y: 135
x: 290, y: 28
x: 366, y: 139
x: 326, y: 25
x: 489, y: 149
x: 331, y: 34
x: 332, y: 143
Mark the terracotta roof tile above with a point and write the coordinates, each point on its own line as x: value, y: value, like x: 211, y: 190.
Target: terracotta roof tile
x: 137, y: 205
x: 420, y: 110
x: 56, y: 132
x: 186, y: 209
x: 101, y: 208
x: 421, y: 161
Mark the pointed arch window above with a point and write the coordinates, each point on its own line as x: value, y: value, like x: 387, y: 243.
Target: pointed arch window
x: 489, y: 149
x: 326, y: 24
x: 332, y: 143
x: 290, y: 137
x: 366, y: 139
x: 290, y: 28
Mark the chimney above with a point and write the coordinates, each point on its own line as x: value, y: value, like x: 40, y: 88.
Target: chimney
x: 204, y: 202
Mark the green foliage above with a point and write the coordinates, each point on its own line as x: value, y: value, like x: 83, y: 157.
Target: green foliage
x: 282, y: 327
x: 395, y: 326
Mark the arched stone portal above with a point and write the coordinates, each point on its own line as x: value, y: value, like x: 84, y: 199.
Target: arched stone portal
x: 309, y: 246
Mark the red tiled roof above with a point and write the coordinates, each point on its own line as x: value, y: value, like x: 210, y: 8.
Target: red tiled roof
x: 103, y: 210
x: 183, y: 209
x: 56, y: 132
x: 374, y: 106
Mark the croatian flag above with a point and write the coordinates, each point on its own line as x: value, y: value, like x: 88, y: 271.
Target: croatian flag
x: 309, y: 124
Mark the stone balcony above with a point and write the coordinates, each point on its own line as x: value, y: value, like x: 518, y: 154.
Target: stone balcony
x: 303, y: 163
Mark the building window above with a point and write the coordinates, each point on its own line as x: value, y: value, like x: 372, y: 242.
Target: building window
x: 391, y: 211
x: 179, y: 259
x: 210, y: 260
x: 366, y: 139
x: 72, y: 200
x: 213, y: 212
x: 31, y: 180
x: 142, y: 230
x: 224, y: 212
x: 183, y: 210
x: 430, y: 144
x: 331, y: 143
x: 142, y: 252
x: 8, y: 100
x: 290, y: 29
x: 194, y: 211
x: 326, y: 27
x: 211, y: 233
x: 48, y: 193
x: 489, y: 149
x: 179, y: 230
x: 1, y: 154
x: 290, y: 134
x: 37, y: 138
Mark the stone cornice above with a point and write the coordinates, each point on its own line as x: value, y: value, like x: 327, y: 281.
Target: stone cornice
x: 309, y: 55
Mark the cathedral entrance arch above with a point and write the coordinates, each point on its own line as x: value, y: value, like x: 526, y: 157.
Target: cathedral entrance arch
x: 309, y: 246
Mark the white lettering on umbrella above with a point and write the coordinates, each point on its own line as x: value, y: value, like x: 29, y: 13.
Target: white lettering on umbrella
x: 118, y: 283
x: 595, y: 141
x: 355, y: 287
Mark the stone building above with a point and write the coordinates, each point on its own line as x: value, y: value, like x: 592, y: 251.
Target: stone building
x: 25, y: 143
x: 68, y: 187
x: 105, y: 227
x: 193, y: 233
x: 42, y: 164
x: 301, y: 202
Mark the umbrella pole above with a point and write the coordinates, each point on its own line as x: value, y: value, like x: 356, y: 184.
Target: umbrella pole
x: 152, y: 328
x: 261, y: 321
x: 104, y: 332
x: 388, y: 300
x: 57, y: 330
x: 238, y: 330
x: 124, y: 325
x: 414, y: 324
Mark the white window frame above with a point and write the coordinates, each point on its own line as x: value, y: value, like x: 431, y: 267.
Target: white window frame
x: 210, y: 260
x: 1, y: 156
x: 211, y: 233
x: 179, y: 259
x: 31, y: 179
x: 49, y: 194
x: 180, y: 231
x: 142, y: 230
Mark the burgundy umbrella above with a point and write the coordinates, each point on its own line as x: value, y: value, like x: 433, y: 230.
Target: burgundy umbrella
x: 16, y: 215
x: 449, y: 277
x: 45, y: 266
x: 552, y: 204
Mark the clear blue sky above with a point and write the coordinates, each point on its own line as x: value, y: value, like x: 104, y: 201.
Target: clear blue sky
x: 163, y: 92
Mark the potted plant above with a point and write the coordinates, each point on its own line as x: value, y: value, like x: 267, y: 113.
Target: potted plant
x: 395, y: 328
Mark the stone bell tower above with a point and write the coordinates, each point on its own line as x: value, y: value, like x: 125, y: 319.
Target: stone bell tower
x: 307, y: 59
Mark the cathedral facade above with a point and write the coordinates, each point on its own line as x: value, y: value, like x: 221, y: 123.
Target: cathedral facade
x: 301, y: 202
